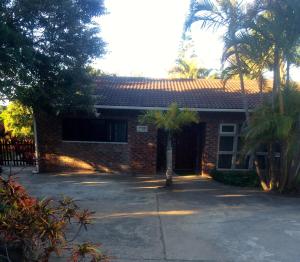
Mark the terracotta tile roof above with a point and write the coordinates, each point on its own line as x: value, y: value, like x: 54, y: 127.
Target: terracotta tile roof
x: 202, y: 94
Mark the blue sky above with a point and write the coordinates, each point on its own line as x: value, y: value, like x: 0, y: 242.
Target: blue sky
x: 143, y: 38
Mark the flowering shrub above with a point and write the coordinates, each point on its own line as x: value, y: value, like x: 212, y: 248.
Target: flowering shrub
x: 37, y: 228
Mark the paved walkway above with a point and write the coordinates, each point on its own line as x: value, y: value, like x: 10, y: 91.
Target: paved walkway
x: 198, y: 220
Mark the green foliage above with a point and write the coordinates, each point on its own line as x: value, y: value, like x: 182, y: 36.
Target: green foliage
x: 256, y: 32
x: 188, y: 69
x: 267, y: 125
x: 236, y: 178
x: 45, y: 48
x: 171, y: 120
x: 17, y: 120
x: 93, y: 72
x: 37, y: 228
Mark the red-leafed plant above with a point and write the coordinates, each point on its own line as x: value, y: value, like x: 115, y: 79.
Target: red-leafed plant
x: 32, y: 229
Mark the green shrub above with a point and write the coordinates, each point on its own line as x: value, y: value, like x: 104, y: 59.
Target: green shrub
x: 33, y: 229
x: 236, y: 178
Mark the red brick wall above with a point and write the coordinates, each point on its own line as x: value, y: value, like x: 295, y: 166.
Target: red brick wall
x: 213, y: 121
x: 209, y: 155
x: 58, y: 155
x: 136, y: 156
x: 142, y: 148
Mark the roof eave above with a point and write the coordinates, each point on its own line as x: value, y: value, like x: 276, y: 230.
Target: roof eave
x: 235, y: 110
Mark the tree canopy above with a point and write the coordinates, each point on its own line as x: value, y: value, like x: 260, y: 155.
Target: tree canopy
x: 45, y: 46
x: 17, y: 120
x: 171, y: 120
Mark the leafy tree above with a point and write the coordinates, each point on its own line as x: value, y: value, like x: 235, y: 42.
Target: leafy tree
x: 171, y: 121
x: 94, y: 72
x: 17, y: 120
x: 45, y: 48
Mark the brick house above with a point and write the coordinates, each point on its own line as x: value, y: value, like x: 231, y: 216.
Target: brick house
x: 112, y: 139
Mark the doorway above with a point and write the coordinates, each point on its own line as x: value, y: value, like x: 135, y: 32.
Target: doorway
x: 187, y: 149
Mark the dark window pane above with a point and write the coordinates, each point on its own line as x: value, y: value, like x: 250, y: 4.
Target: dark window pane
x: 242, y: 162
x: 98, y: 130
x: 226, y: 143
x: 228, y: 128
x: 225, y: 161
x: 69, y: 130
x: 118, y: 131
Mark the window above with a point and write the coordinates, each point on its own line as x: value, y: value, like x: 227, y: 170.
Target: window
x: 96, y: 130
x: 263, y: 159
x: 230, y: 145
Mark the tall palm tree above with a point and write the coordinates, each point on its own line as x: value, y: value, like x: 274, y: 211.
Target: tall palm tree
x: 225, y: 13
x: 171, y: 121
x: 277, y: 23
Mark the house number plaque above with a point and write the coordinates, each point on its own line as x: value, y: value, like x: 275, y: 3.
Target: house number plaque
x: 142, y: 129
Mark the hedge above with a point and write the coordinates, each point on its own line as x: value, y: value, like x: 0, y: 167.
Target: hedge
x: 236, y: 178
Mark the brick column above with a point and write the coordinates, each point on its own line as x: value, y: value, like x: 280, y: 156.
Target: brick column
x: 209, y: 159
x: 142, y: 149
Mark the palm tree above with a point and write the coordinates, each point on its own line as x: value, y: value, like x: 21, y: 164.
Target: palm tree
x: 188, y: 69
x: 277, y: 26
x: 268, y: 126
x: 255, y: 57
x: 171, y: 121
x: 228, y: 14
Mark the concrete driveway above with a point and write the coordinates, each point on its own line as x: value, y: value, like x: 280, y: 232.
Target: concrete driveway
x: 198, y: 220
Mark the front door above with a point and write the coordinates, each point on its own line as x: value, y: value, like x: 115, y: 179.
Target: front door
x: 188, y: 149
x: 187, y: 146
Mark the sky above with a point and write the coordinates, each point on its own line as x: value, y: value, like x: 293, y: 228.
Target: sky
x: 143, y: 38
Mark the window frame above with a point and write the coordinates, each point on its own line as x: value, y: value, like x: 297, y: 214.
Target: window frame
x: 98, y: 142
x: 234, y: 153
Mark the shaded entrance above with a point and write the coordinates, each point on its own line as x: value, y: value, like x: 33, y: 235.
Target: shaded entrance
x: 187, y: 146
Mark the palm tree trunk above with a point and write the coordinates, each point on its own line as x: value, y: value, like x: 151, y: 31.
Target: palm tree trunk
x: 169, y: 157
x: 277, y: 81
x: 294, y: 167
x: 284, y: 166
x: 288, y: 67
x: 262, y: 180
x: 272, y: 175
x: 242, y: 83
x: 261, y: 85
x: 36, y: 145
x: 277, y: 93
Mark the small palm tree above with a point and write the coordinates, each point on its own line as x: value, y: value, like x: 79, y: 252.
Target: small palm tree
x: 171, y: 121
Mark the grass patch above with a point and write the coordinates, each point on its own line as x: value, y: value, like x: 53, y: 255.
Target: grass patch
x: 236, y: 178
